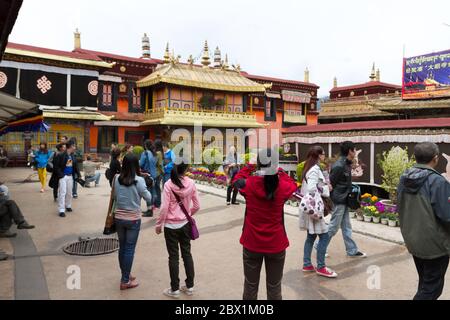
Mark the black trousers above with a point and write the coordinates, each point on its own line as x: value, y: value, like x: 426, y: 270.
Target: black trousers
x: 175, y: 240
x: 431, y: 277
x: 233, y: 190
x: 274, y: 274
x: 9, y: 213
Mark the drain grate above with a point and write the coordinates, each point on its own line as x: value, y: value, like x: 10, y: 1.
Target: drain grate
x: 92, y: 247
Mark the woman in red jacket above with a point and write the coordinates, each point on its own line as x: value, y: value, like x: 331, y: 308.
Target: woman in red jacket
x: 265, y: 189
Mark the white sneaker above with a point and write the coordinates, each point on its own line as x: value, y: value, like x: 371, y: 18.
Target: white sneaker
x: 172, y: 294
x: 187, y: 291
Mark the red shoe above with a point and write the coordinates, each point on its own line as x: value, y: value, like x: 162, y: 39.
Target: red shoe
x: 327, y: 273
x: 129, y: 285
x: 309, y: 269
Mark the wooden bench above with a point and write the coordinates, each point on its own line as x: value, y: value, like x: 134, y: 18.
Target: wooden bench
x: 16, y: 161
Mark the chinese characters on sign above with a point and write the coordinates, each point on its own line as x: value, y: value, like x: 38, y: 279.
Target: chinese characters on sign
x: 427, y: 76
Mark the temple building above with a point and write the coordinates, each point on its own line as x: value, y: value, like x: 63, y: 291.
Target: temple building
x: 358, y: 102
x: 120, y: 98
x: 181, y: 95
x: 63, y: 84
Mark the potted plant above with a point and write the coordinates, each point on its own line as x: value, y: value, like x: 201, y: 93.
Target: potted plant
x: 384, y: 219
x: 359, y: 215
x: 376, y: 217
x: 392, y: 217
x: 368, y: 213
x: 394, y: 163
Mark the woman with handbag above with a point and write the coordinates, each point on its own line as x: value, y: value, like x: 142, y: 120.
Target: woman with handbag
x: 312, y: 212
x: 129, y: 188
x: 179, y: 227
x: 265, y: 189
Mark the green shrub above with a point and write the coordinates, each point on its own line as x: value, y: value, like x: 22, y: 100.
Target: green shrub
x: 212, y: 159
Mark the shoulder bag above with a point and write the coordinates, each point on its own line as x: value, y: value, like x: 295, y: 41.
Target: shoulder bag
x: 194, y: 230
x: 110, y: 225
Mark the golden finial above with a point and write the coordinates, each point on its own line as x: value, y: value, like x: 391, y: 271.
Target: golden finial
x: 205, y: 58
x: 225, y: 65
x: 307, y: 75
x: 190, y: 60
x: 167, y: 54
x: 77, y: 39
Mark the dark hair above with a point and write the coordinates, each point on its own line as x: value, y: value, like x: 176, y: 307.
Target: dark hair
x: 346, y: 147
x: 88, y: 158
x: 70, y: 144
x: 178, y: 171
x: 425, y: 152
x: 115, y: 153
x: 271, y: 182
x: 158, y: 145
x: 73, y: 141
x: 130, y: 169
x: 165, y: 144
x: 59, y: 146
x: 45, y: 146
x: 149, y: 146
x: 126, y: 148
x: 312, y: 159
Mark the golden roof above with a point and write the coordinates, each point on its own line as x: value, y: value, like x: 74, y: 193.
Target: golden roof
x: 204, y: 78
x: 350, y: 109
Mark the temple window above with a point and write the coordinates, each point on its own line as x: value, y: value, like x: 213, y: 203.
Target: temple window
x: 136, y: 98
x: 107, y: 95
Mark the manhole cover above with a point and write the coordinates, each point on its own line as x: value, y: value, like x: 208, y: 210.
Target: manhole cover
x: 92, y: 247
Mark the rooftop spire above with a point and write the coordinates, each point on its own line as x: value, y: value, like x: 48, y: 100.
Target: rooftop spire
x: 146, y: 47
x: 373, y: 75
x: 335, y: 83
x: 217, y: 58
x: 378, y: 75
x: 77, y: 39
x: 205, y: 58
x: 307, y: 75
x: 167, y: 54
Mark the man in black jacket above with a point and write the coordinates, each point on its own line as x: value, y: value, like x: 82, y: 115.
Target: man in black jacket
x: 65, y: 167
x: 341, y: 181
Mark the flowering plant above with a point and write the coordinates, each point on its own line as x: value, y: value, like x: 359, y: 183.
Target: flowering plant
x: 370, y: 210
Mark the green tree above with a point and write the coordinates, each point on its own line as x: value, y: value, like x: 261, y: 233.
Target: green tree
x: 394, y: 163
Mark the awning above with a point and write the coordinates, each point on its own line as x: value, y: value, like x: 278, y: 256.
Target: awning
x: 12, y: 108
x: 273, y: 95
x: 75, y: 115
x: 34, y: 124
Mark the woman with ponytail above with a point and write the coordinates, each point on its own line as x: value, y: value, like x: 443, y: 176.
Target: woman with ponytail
x: 177, y: 230
x: 265, y: 189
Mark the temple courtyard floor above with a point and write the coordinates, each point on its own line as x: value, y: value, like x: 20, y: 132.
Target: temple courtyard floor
x: 39, y: 269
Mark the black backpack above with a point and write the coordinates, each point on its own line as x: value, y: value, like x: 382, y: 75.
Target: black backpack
x: 354, y: 198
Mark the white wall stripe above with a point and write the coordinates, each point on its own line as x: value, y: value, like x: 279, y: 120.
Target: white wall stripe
x: 41, y: 67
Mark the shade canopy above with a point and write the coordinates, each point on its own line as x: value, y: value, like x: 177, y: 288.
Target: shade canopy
x: 12, y: 108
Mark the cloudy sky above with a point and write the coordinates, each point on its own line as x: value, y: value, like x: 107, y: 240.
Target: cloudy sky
x: 272, y: 38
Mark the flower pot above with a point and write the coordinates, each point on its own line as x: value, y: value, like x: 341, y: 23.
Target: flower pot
x: 352, y: 214
x: 360, y: 218
x: 385, y: 222
x: 392, y: 223
x: 376, y: 219
x: 367, y: 218
x: 388, y: 204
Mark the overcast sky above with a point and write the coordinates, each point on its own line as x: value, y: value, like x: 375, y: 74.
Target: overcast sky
x: 271, y: 38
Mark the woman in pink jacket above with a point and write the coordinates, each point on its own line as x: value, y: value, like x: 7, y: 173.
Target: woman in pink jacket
x: 177, y: 230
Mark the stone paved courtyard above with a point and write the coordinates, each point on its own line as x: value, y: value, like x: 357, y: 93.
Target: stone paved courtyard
x: 38, y: 269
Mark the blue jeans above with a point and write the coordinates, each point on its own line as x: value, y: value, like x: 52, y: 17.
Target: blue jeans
x: 166, y: 178
x: 321, y: 249
x: 75, y: 186
x: 341, y: 218
x: 128, y: 232
x: 156, y: 192
x: 95, y: 178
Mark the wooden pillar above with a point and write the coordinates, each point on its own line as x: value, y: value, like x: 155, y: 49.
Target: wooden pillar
x: 226, y: 103
x: 167, y: 98
x: 195, y: 100
x: 146, y: 100
x: 251, y: 104
x: 154, y: 101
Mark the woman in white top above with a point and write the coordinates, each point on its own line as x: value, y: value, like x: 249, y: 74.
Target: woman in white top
x: 314, y: 183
